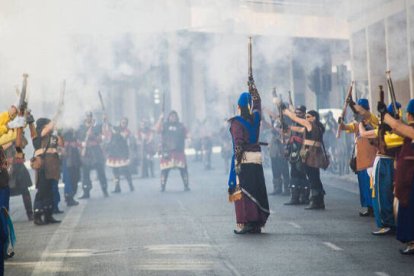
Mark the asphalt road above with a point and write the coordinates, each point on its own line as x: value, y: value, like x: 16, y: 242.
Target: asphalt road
x: 191, y: 233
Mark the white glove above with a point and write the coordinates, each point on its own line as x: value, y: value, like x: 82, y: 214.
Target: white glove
x: 19, y: 121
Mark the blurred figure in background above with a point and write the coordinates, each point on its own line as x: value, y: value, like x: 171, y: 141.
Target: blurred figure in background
x: 226, y: 150
x: 279, y: 164
x: 336, y: 155
x: 147, y: 149
x: 207, y: 148
x: 92, y: 157
x: 71, y: 166
x: 118, y: 152
x: 173, y: 135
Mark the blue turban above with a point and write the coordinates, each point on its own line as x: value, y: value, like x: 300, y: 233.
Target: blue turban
x: 245, y: 99
x: 364, y: 103
x: 390, y: 108
x: 410, y: 106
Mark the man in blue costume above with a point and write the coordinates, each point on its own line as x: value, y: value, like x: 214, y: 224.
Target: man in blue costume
x: 247, y: 188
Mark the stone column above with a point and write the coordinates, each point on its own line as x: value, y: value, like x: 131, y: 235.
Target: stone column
x: 174, y: 73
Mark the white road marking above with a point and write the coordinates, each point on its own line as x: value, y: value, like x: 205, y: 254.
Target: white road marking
x: 59, y: 242
x: 213, y: 247
x: 178, y: 248
x: 182, y: 207
x: 332, y: 246
x: 232, y: 268
x: 176, y: 264
x: 379, y: 273
x: 295, y: 225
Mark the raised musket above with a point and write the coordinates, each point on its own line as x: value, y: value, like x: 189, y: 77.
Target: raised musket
x: 22, y: 112
x: 381, y: 127
x: 291, y: 101
x: 61, y: 102
x: 250, y: 82
x: 343, y: 114
x: 102, y: 102
x: 278, y: 100
x: 392, y: 94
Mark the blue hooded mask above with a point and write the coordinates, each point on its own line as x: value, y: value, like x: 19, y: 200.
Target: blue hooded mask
x: 390, y: 108
x: 410, y: 106
x: 245, y: 100
x: 364, y: 103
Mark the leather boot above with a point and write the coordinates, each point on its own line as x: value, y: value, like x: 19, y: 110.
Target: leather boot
x: 85, y: 195
x: 184, y: 177
x: 49, y: 218
x: 286, y: 190
x: 277, y: 187
x: 163, y: 182
x: 131, y: 186
x: 30, y: 216
x: 70, y: 201
x: 316, y: 201
x: 304, y: 195
x: 117, y: 187
x: 37, y: 219
x: 294, y: 196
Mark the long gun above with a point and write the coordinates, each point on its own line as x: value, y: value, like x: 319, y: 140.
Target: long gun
x: 279, y: 109
x: 250, y: 82
x: 22, y: 112
x: 163, y: 103
x: 290, y: 100
x: 343, y: 114
x: 102, y: 102
x: 392, y: 94
x: 61, y: 102
x: 381, y: 128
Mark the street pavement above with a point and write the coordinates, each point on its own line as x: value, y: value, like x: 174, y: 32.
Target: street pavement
x: 147, y: 232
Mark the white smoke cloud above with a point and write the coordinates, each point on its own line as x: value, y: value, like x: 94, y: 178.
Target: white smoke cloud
x: 91, y: 43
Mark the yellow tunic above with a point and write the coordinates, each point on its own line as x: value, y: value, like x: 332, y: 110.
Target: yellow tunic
x: 4, y: 119
x: 8, y: 137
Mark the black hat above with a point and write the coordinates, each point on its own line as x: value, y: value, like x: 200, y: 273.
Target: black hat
x: 314, y: 114
x: 301, y: 108
x: 41, y: 123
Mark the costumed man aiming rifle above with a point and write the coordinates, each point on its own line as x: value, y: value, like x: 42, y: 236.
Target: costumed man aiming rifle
x: 404, y: 177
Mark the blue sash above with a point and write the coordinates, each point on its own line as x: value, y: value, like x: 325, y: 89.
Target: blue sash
x: 253, y: 137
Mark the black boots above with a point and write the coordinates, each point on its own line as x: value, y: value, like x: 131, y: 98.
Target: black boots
x: 70, y: 201
x: 277, y: 187
x: 48, y: 218
x: 317, y: 201
x: 117, y: 187
x: 131, y: 186
x: 30, y: 216
x: 164, y: 177
x: 286, y: 190
x: 184, y: 176
x: 85, y: 194
x: 304, y: 195
x: 294, y: 197
x: 37, y: 219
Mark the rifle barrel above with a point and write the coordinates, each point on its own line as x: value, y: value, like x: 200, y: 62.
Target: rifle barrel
x: 250, y: 57
x: 349, y: 94
x: 392, y: 94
